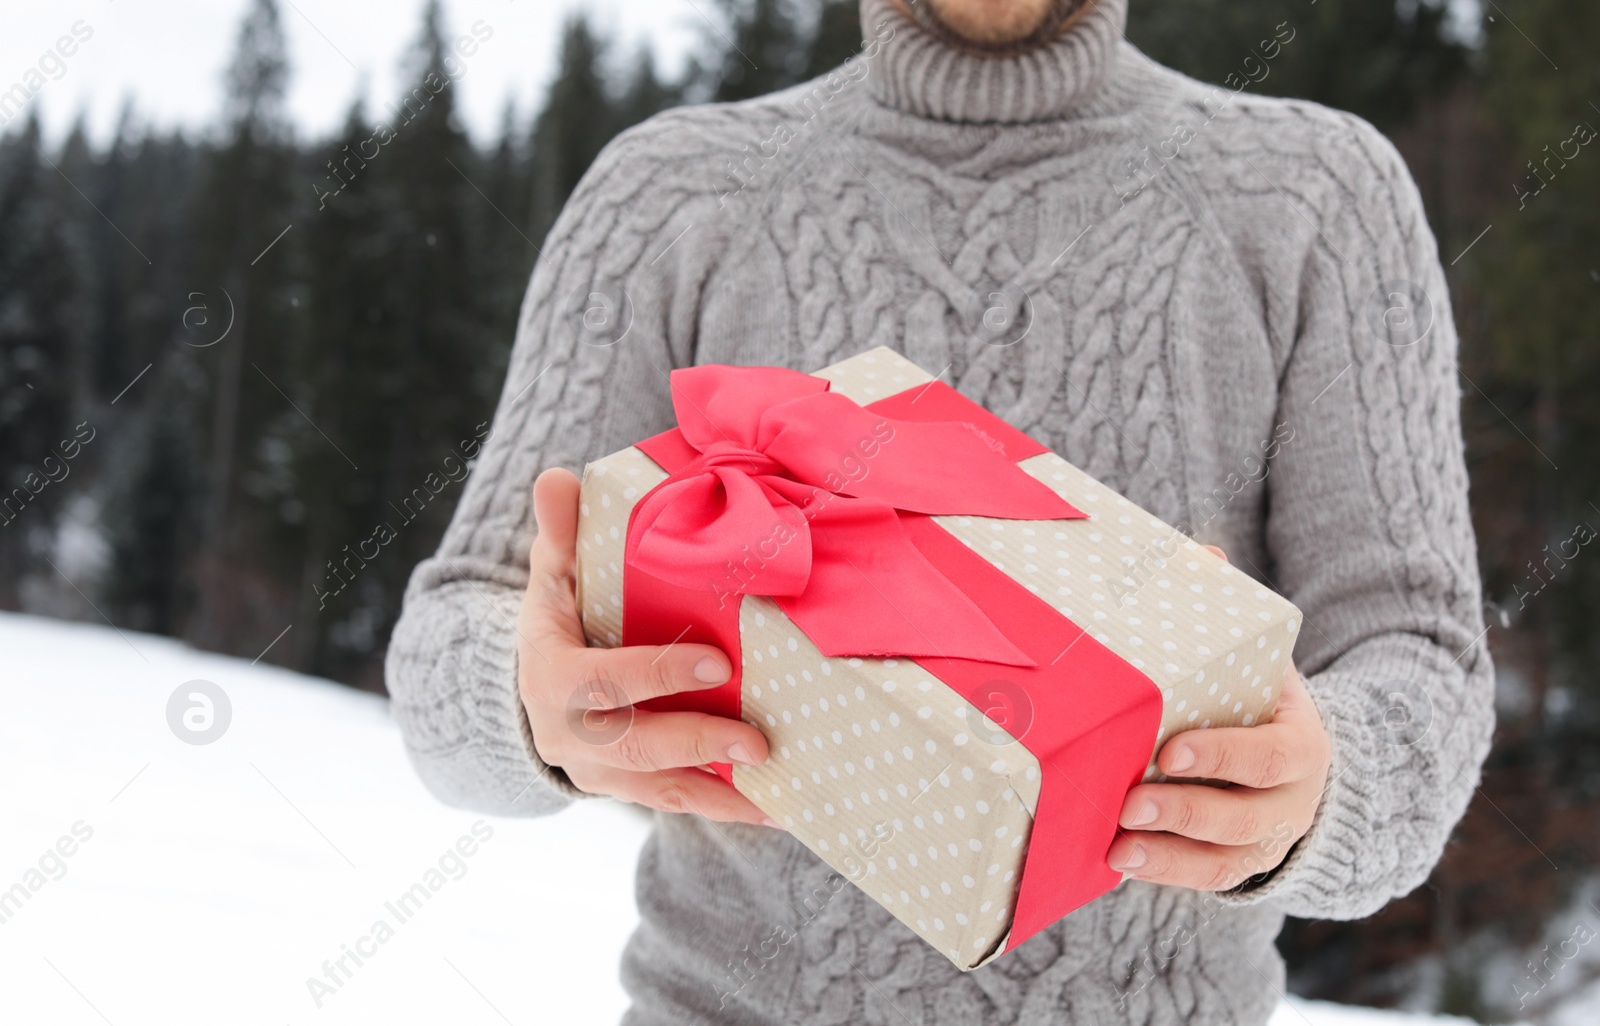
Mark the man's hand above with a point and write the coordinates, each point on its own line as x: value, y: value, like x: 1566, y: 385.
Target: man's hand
x: 580, y: 699
x: 1213, y: 838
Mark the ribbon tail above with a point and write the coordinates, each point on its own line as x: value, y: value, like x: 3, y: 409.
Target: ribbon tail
x: 873, y: 593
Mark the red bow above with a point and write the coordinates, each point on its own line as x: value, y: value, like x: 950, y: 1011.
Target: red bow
x: 798, y: 493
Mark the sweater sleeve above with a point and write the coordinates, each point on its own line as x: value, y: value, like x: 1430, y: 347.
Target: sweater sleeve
x: 1369, y: 534
x: 604, y: 320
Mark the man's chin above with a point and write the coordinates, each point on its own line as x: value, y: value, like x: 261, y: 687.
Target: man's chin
x: 996, y: 26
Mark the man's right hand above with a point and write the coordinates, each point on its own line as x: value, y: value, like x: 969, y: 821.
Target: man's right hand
x: 580, y: 699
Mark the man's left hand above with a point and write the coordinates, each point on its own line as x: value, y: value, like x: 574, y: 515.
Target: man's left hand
x: 1213, y: 838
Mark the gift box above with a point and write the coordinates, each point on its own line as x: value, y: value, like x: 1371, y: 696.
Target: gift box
x: 963, y: 650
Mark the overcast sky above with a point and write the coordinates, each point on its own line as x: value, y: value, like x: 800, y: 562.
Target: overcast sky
x: 170, y: 54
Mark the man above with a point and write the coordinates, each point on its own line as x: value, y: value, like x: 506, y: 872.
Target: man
x: 1229, y: 308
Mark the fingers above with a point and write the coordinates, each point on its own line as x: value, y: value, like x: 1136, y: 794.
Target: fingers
x: 584, y: 710
x: 655, y: 741
x: 642, y: 672
x: 1293, y: 747
x: 1258, y: 757
x: 1215, y: 838
x: 1216, y: 551
x: 551, y: 621
x: 679, y: 791
x: 1198, y: 865
x: 581, y: 701
x: 599, y: 724
x: 1221, y: 816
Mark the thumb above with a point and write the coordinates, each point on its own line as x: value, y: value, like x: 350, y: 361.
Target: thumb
x: 549, y: 614
x: 554, y: 552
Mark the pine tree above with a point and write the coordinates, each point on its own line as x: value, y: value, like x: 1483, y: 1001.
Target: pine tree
x: 142, y: 379
x: 645, y: 93
x: 340, y: 364
x: 114, y: 356
x: 1375, y: 58
x: 577, y: 120
x: 130, y: 237
x: 156, y: 503
x: 396, y: 359
x: 36, y: 340
x: 508, y: 240
x: 764, y: 49
x: 244, y: 209
x: 836, y: 39
x: 432, y: 181
x: 1541, y: 281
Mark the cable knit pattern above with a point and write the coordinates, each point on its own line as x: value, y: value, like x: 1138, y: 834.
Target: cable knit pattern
x: 1232, y: 289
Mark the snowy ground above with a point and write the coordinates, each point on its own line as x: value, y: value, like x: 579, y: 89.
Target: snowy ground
x: 215, y: 879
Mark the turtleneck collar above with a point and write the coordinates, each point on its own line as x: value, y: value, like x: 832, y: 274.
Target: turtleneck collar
x: 913, y: 71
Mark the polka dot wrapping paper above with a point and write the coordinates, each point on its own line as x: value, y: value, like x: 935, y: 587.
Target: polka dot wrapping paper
x: 925, y: 797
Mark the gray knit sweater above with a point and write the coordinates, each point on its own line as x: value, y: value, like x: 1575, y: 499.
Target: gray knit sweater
x: 1198, y: 271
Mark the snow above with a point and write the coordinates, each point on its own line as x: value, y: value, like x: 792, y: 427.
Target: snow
x: 216, y: 879
x: 1296, y: 1012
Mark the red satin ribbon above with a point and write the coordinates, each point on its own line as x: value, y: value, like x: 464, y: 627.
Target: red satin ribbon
x: 1091, y: 718
x: 792, y: 492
